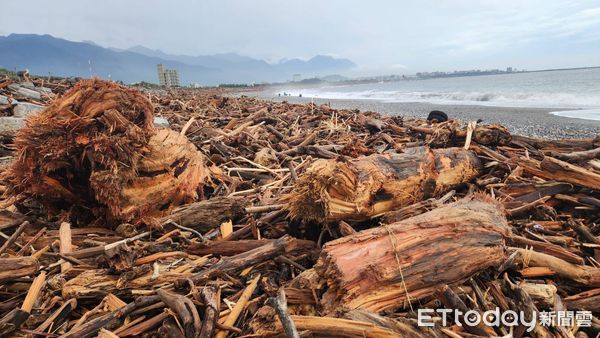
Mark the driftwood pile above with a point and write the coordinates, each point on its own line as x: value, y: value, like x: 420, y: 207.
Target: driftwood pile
x: 254, y: 218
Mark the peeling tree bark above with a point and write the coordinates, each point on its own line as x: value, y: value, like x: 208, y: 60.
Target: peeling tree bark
x: 13, y: 268
x: 360, y: 189
x: 383, y: 268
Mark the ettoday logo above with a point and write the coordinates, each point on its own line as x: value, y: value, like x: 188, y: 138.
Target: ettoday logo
x: 509, y: 318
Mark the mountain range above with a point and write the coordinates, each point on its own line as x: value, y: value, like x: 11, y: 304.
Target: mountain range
x: 45, y: 54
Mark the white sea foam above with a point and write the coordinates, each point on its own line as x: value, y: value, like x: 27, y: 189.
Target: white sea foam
x: 576, y: 93
x: 586, y: 114
x: 486, y: 98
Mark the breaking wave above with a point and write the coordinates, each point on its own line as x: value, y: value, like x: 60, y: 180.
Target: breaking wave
x: 502, y: 99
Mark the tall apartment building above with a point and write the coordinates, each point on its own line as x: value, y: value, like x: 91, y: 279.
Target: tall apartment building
x: 167, y: 77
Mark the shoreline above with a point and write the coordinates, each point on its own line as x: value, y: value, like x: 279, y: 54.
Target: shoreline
x: 526, y: 121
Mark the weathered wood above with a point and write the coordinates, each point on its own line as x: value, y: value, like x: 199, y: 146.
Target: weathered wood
x: 230, y: 248
x: 587, y: 300
x: 249, y: 258
x: 451, y: 301
x: 387, y: 267
x: 59, y: 316
x: 208, y: 214
x: 144, y: 326
x: 212, y: 301
x: 369, y: 186
x: 577, y: 155
x: 169, y: 329
x: 98, y: 283
x: 548, y: 248
x: 104, y: 333
x: 14, y: 319
x: 12, y: 268
x: 279, y: 303
x: 555, y: 145
x: 109, y: 320
x: 342, y: 328
x: 35, y: 289
x: 585, y: 275
x: 65, y: 243
x: 405, y: 327
x: 185, y: 310
x: 31, y: 241
x: 544, y: 294
x: 554, y: 169
x: 14, y: 236
x: 522, y: 302
x: 240, y: 305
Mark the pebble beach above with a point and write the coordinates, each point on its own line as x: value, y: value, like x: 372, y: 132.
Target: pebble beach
x: 532, y: 122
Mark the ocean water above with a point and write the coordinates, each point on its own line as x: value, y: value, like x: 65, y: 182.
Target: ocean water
x: 572, y: 93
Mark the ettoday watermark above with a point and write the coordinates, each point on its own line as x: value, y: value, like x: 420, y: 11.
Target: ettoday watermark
x: 496, y: 318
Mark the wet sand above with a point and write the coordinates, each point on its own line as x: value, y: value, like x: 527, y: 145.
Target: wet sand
x: 533, y: 122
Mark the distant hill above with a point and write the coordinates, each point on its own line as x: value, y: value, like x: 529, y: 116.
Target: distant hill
x: 43, y: 54
x: 316, y: 66
x: 244, y: 67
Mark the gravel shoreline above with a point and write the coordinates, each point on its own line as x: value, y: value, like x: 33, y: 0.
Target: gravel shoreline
x: 532, y: 122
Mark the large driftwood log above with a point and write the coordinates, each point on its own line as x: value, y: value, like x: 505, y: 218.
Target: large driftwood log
x: 384, y: 268
x: 363, y: 188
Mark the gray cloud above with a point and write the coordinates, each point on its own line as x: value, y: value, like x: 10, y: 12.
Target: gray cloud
x: 380, y: 36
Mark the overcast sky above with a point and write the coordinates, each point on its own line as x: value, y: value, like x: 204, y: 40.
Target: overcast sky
x: 380, y: 36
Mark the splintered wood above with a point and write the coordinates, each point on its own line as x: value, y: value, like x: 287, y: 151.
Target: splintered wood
x: 388, y: 267
x: 369, y: 186
x: 248, y: 218
x: 97, y: 147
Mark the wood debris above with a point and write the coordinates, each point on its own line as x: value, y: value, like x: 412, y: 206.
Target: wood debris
x: 246, y: 217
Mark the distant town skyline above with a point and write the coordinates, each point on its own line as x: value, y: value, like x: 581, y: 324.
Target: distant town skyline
x: 381, y: 37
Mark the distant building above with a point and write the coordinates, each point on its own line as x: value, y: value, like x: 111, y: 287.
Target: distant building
x: 296, y: 77
x: 167, y: 77
x: 509, y: 69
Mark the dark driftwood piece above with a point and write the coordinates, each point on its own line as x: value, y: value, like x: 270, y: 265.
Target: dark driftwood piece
x: 241, y: 261
x: 279, y: 303
x: 523, y: 302
x: 227, y: 248
x: 13, y: 268
x: 451, y: 301
x: 211, y: 298
x: 587, y: 300
x: 14, y: 319
x: 14, y: 236
x: 109, y: 320
x: 208, y: 214
x: 185, y: 310
x: 59, y: 316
